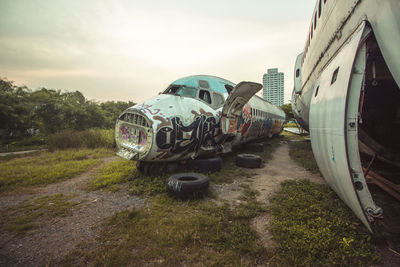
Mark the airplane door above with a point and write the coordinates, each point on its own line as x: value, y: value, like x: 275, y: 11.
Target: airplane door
x: 233, y: 106
x: 333, y: 127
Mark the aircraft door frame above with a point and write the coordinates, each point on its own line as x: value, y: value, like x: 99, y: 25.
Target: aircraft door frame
x: 334, y: 144
x: 234, y: 104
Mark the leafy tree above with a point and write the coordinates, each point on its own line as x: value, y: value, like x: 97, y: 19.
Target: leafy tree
x: 287, y: 108
x: 15, y: 114
x: 51, y: 110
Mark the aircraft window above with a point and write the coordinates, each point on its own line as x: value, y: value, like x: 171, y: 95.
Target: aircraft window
x: 297, y: 73
x: 186, y: 91
x: 218, y: 99
x: 311, y: 31
x: 204, y: 84
x: 319, y: 9
x: 205, y: 95
x: 316, y: 91
x: 315, y: 20
x: 172, y: 89
x: 334, y: 75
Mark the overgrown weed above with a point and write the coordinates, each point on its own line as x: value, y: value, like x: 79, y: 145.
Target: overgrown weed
x: 312, y: 226
x: 302, y: 154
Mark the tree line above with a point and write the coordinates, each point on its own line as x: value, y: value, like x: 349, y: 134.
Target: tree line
x: 47, y: 111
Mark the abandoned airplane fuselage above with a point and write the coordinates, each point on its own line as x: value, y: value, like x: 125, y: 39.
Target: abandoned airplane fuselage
x: 346, y: 93
x: 194, y: 116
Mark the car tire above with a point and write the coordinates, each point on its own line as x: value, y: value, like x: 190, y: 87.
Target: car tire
x: 185, y: 185
x: 248, y: 161
x: 206, y: 165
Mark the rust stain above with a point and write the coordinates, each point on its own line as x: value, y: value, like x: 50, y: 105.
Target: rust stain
x: 202, y: 112
x: 164, y: 122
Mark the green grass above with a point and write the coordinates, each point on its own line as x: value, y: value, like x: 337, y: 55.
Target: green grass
x: 302, y: 154
x: 312, y: 226
x: 124, y: 171
x: 114, y: 173
x: 293, y: 125
x: 48, y: 167
x: 175, y: 233
x: 19, y: 219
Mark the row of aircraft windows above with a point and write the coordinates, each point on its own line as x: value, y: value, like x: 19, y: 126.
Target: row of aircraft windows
x: 263, y: 114
x: 316, y: 16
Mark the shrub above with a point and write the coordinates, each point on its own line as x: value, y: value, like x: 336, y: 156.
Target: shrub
x: 91, y: 138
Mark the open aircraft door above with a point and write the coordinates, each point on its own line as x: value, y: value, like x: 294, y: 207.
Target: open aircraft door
x: 334, y: 126
x: 234, y: 104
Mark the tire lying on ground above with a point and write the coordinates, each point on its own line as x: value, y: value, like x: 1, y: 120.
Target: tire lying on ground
x: 206, y: 165
x: 248, y: 161
x: 184, y: 185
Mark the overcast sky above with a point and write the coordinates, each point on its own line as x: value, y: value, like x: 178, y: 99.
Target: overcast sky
x: 131, y: 50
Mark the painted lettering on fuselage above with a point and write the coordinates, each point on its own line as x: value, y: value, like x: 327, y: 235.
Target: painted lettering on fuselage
x: 172, y: 135
x: 148, y: 109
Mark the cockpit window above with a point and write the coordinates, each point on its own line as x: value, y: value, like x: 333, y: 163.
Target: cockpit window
x: 187, y: 91
x: 204, y: 84
x: 181, y: 90
x: 205, y: 96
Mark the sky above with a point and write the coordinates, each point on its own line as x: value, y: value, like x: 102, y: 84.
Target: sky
x: 131, y: 50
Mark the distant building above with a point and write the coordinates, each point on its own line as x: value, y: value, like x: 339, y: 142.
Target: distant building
x: 273, y: 86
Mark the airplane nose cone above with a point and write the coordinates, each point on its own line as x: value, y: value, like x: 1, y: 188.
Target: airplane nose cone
x: 133, y: 134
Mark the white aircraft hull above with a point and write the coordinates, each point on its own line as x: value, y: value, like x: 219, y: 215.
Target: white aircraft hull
x: 351, y: 57
x: 180, y: 125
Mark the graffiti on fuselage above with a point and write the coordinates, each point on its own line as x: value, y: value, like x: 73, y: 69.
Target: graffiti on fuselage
x: 174, y: 136
x: 244, y: 120
x: 148, y: 109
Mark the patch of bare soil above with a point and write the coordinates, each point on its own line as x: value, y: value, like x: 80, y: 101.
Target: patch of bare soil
x: 267, y: 181
x: 228, y: 193
x: 54, y: 238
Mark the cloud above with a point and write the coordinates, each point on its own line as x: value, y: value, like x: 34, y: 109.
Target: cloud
x: 131, y: 50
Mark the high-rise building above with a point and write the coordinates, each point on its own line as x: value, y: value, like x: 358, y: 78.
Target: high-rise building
x: 273, y: 83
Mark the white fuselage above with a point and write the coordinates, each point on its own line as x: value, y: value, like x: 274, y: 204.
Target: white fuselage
x: 346, y: 94
x: 330, y: 29
x: 185, y: 122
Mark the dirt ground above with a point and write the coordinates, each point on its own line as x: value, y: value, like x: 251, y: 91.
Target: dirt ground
x: 53, y: 238
x: 57, y: 237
